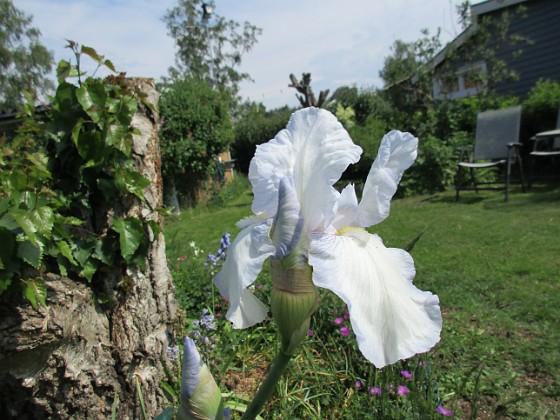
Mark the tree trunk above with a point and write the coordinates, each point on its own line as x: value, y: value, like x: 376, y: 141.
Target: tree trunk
x: 78, y: 359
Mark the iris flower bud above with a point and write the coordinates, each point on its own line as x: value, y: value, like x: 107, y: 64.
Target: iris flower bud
x: 200, y: 396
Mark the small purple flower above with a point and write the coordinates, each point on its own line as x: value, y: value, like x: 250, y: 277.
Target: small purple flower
x: 310, y: 332
x: 443, y: 411
x: 358, y: 384
x: 346, y: 315
x: 402, y: 390
x: 338, y: 321
x: 375, y: 390
x: 406, y: 374
x: 345, y: 331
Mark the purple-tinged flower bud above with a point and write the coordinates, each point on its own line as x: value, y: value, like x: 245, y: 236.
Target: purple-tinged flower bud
x: 200, y: 396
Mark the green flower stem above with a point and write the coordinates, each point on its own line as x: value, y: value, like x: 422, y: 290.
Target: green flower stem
x: 268, y: 386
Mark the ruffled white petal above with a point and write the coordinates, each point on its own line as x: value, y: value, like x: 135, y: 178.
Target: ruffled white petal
x: 397, y: 152
x: 288, y: 224
x: 314, y: 149
x: 391, y: 318
x: 346, y: 208
x: 244, y: 261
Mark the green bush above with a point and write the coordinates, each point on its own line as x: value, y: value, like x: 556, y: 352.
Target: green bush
x: 540, y: 109
x: 196, y: 128
x: 256, y: 126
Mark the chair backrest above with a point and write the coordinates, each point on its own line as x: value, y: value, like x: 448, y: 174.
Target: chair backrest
x: 494, y: 130
x: 556, y: 142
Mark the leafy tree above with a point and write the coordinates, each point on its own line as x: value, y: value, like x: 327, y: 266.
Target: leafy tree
x: 196, y: 128
x: 209, y: 46
x: 24, y: 61
x: 256, y: 126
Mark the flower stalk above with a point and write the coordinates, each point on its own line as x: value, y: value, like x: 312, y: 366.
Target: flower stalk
x: 268, y: 386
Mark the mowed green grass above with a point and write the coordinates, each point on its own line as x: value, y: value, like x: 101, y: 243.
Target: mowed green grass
x: 496, y: 269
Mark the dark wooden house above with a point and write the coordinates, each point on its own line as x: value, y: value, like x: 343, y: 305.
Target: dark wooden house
x: 537, y: 56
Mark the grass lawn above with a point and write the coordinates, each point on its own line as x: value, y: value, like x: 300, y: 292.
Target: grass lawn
x: 496, y: 269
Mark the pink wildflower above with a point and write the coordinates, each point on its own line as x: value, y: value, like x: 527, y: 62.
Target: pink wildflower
x: 402, y: 390
x: 338, y: 321
x: 444, y: 412
x: 406, y: 374
x: 345, y: 331
x: 375, y: 390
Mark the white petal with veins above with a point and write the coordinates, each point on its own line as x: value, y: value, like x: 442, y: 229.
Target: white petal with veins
x: 391, y: 318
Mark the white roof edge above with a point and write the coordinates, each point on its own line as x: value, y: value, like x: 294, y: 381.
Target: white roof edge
x: 491, y: 5
x: 476, y: 10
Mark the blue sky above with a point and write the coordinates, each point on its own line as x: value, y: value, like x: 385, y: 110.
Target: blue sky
x: 338, y: 42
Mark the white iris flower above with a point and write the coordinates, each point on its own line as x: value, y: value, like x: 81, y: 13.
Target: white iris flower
x: 301, y: 220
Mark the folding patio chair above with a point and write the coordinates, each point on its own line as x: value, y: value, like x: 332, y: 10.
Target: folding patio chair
x: 496, y: 144
x: 545, y: 145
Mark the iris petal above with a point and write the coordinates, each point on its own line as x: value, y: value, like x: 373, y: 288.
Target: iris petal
x: 391, y: 318
x: 288, y: 223
x: 314, y: 149
x: 397, y: 152
x: 244, y: 261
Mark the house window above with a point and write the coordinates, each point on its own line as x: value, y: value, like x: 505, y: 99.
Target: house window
x: 467, y: 81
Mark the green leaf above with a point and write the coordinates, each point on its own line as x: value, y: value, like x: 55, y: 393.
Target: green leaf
x: 167, y: 414
x: 88, y: 270
x: 168, y: 389
x: 65, y: 250
x: 156, y: 228
x: 40, y: 162
x: 131, y: 181
x: 25, y: 222
x: 31, y: 253
x: 109, y: 64
x: 4, y: 282
x: 118, y: 135
x: 63, y: 70
x: 7, y: 221
x: 35, y: 291
x: 106, y: 249
x: 92, y: 97
x: 43, y: 219
x: 131, y: 235
x: 90, y: 52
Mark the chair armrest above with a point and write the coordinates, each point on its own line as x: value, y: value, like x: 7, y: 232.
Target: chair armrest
x: 516, y: 144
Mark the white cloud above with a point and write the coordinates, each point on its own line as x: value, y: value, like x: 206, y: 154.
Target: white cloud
x: 339, y: 42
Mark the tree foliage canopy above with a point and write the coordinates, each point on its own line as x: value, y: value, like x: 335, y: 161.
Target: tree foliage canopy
x: 24, y: 61
x: 196, y: 128
x: 209, y: 46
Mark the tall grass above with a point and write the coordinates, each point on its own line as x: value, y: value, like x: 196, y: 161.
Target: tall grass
x: 496, y: 269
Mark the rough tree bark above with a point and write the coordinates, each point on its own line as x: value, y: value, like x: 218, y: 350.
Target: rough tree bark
x: 77, y: 359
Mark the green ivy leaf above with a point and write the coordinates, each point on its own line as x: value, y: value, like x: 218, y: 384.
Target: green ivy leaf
x: 40, y: 162
x: 31, y: 253
x: 43, y: 219
x: 106, y: 249
x: 92, y: 97
x: 24, y: 221
x: 131, y: 181
x: 65, y: 250
x: 88, y: 270
x: 35, y: 291
x: 131, y: 235
x: 118, y: 135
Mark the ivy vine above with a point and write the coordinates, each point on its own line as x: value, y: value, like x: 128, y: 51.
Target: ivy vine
x: 61, y: 176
